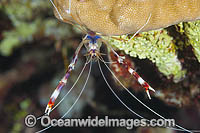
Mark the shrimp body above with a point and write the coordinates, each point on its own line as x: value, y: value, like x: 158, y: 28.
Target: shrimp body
x: 90, y: 42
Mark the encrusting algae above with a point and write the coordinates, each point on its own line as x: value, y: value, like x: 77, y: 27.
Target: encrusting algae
x: 192, y: 32
x: 27, y: 23
x: 158, y: 47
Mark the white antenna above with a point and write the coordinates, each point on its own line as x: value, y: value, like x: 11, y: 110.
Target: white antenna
x: 69, y: 9
x: 140, y: 28
x: 56, y: 9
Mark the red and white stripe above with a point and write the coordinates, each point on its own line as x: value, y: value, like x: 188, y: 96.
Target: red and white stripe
x: 59, y: 87
x: 56, y: 92
x: 135, y: 74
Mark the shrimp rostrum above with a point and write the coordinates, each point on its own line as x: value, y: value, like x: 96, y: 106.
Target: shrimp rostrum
x: 93, y: 42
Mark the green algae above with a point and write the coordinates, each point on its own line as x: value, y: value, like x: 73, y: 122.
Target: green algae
x: 28, y: 19
x: 156, y: 46
x: 192, y: 32
x: 162, y: 49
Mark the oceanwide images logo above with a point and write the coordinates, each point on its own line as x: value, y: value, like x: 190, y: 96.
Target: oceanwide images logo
x: 46, y: 121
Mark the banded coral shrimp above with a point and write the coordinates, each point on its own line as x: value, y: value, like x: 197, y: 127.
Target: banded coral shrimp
x: 93, y: 43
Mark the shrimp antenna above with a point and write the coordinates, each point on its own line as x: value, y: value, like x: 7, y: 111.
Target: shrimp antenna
x: 86, y: 81
x: 140, y: 28
x: 116, y: 94
x: 67, y: 92
x: 182, y: 129
x: 75, y: 100
x: 56, y: 10
x: 71, y: 87
x: 68, y: 21
x: 78, y: 22
x: 63, y: 82
x: 120, y: 60
x: 69, y: 9
x: 141, y: 101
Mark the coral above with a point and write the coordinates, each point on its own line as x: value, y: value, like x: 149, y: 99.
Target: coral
x: 119, y: 17
x: 158, y: 47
